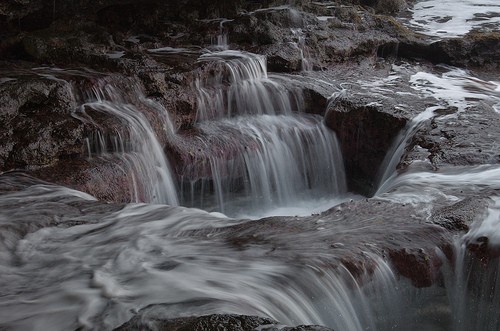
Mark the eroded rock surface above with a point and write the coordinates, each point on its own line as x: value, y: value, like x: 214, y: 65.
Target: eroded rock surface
x: 207, y: 323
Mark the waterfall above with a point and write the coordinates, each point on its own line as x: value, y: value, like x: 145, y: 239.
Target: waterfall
x: 274, y: 161
x: 304, y: 52
x: 475, y: 281
x: 240, y: 86
x: 387, y: 169
x: 264, y: 152
x: 133, y: 142
x: 120, y: 259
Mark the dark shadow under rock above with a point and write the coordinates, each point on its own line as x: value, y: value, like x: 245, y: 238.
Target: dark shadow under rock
x: 476, y: 49
x: 365, y: 132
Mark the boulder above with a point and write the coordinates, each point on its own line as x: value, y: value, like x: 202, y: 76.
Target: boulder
x: 38, y: 128
x: 148, y: 320
x: 467, y: 139
x: 365, y: 131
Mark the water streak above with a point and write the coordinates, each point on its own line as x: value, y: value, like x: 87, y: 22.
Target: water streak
x: 474, y: 279
x: 393, y: 156
x: 274, y: 161
x: 135, y: 144
x: 240, y: 86
x: 111, y: 263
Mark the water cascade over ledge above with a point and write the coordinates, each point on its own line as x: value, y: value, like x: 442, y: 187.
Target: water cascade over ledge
x: 251, y: 168
x: 260, y: 149
x: 143, y: 158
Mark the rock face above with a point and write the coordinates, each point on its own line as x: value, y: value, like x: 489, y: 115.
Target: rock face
x: 366, y: 133
x: 207, y: 323
x: 38, y: 129
x: 476, y: 49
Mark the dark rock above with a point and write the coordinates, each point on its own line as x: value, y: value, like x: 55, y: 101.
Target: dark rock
x: 468, y: 139
x: 38, y: 126
x: 420, y: 266
x: 460, y: 215
x: 148, y: 320
x: 285, y: 57
x: 476, y: 49
x: 481, y: 250
x: 365, y: 132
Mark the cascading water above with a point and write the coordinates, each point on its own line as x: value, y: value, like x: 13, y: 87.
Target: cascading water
x: 394, y: 154
x: 475, y: 283
x: 241, y: 86
x: 274, y: 156
x: 274, y: 161
x: 143, y: 159
x: 70, y: 262
x: 304, y: 53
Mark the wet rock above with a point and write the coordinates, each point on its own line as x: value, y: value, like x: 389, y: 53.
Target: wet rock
x: 421, y: 267
x: 148, y: 320
x: 475, y: 49
x: 467, y: 139
x: 483, y: 252
x: 396, y: 232
x: 108, y: 179
x: 460, y: 215
x: 365, y: 132
x: 38, y: 127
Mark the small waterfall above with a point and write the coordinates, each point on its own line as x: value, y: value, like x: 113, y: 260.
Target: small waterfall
x: 263, y: 151
x: 240, y: 86
x: 273, y: 161
x: 304, y: 52
x: 393, y: 156
x: 222, y: 37
x: 133, y: 142
x: 474, y: 285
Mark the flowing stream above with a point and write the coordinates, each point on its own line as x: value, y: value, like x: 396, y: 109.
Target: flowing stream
x: 70, y: 262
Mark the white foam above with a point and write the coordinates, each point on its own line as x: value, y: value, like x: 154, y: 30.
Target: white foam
x: 6, y: 79
x: 456, y: 87
x: 324, y: 18
x: 454, y: 18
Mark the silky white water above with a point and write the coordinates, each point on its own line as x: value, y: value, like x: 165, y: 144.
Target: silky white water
x: 70, y: 262
x: 241, y: 86
x: 143, y: 158
x: 264, y: 156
